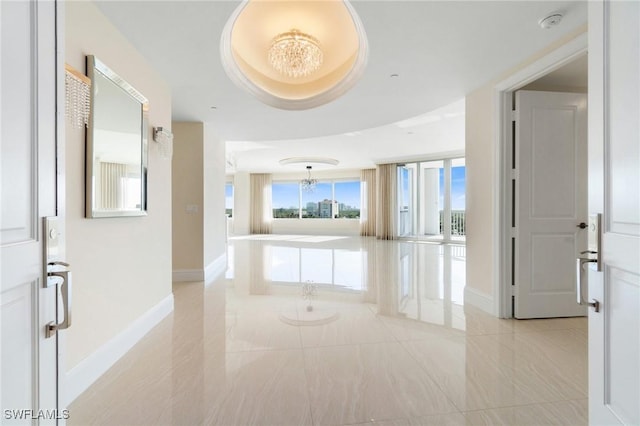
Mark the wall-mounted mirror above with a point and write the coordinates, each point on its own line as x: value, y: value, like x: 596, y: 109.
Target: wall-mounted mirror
x: 116, y: 163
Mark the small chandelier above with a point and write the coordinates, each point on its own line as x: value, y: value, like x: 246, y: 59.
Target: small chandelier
x: 295, y: 54
x: 308, y: 184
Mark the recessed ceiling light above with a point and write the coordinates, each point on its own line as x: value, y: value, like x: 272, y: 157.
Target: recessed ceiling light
x: 394, y: 75
x: 550, y: 21
x: 214, y: 107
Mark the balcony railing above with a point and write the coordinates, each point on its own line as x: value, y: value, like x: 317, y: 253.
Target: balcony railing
x: 458, y: 222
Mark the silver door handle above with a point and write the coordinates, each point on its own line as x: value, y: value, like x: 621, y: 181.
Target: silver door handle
x: 65, y: 288
x: 580, y: 262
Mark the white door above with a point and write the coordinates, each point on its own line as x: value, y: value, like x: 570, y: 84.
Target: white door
x: 28, y: 391
x: 614, y: 179
x: 550, y: 202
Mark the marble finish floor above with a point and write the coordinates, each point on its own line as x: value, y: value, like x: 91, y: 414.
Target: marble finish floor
x: 387, y: 341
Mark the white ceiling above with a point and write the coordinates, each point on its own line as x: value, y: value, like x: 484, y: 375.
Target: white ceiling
x: 440, y: 50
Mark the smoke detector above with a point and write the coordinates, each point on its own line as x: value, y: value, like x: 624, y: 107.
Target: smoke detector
x: 550, y: 21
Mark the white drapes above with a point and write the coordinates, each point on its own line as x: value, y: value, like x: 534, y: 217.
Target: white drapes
x: 111, y: 195
x: 261, y: 212
x: 386, y: 202
x: 368, y: 202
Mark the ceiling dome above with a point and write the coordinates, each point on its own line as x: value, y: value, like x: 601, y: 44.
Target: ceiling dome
x: 295, y: 54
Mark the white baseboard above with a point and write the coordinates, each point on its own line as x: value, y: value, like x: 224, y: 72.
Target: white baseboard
x: 207, y: 274
x: 478, y: 299
x: 80, y: 377
x: 215, y: 268
x: 187, y: 275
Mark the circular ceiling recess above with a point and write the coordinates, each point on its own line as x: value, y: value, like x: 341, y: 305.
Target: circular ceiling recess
x: 294, y: 54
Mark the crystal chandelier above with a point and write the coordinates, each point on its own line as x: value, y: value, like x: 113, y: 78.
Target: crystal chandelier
x: 295, y: 54
x: 308, y: 184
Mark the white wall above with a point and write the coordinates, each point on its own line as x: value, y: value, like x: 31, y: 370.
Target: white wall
x: 241, y: 203
x: 317, y: 226
x: 121, y: 266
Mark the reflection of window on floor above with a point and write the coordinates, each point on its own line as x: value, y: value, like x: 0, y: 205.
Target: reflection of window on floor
x: 325, y: 267
x: 228, y: 199
x: 230, y: 273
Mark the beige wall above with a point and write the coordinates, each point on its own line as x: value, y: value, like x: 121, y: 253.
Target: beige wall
x: 198, y: 180
x: 187, y: 188
x: 121, y: 266
x: 482, y: 175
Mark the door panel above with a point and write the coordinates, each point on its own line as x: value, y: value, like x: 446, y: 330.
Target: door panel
x: 18, y: 219
x: 550, y: 202
x: 27, y: 193
x: 614, y: 332
x: 18, y: 350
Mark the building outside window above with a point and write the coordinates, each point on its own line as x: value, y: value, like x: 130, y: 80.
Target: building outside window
x: 329, y: 200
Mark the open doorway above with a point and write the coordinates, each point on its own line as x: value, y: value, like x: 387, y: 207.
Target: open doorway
x: 543, y: 191
x: 431, y: 200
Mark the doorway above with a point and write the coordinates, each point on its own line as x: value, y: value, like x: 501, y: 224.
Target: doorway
x: 431, y: 200
x: 562, y: 71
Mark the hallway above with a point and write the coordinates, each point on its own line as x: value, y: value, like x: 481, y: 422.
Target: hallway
x: 316, y: 330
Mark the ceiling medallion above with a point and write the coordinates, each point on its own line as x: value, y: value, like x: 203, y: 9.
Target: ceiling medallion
x: 294, y: 54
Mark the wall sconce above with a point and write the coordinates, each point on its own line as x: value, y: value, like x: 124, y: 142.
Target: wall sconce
x: 164, y: 138
x: 77, y: 97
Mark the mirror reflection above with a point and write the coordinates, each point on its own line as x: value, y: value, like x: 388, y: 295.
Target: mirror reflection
x: 116, y: 145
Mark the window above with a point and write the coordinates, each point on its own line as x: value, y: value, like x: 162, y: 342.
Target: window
x: 329, y: 200
x: 347, y: 196
x: 319, y: 203
x: 285, y: 199
x: 228, y: 199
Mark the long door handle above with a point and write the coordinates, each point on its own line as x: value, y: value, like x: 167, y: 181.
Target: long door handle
x: 65, y: 289
x: 580, y: 262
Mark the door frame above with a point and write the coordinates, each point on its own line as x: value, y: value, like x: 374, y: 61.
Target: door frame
x: 502, y: 192
x: 61, y: 195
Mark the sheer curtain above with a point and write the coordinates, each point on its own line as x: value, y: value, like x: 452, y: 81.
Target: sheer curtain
x: 386, y: 200
x: 368, y: 203
x: 261, y: 212
x: 111, y: 194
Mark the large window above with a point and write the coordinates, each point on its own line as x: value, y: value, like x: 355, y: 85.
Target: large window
x: 285, y: 199
x: 329, y: 200
x: 228, y: 199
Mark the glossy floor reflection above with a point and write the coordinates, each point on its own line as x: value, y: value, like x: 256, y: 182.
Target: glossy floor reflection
x: 332, y: 330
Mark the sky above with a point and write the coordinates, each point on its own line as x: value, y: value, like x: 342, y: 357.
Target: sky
x: 285, y: 195
x: 458, y: 176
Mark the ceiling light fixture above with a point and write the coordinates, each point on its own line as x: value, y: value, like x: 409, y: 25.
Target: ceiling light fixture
x: 295, y: 54
x: 309, y: 161
x: 308, y: 184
